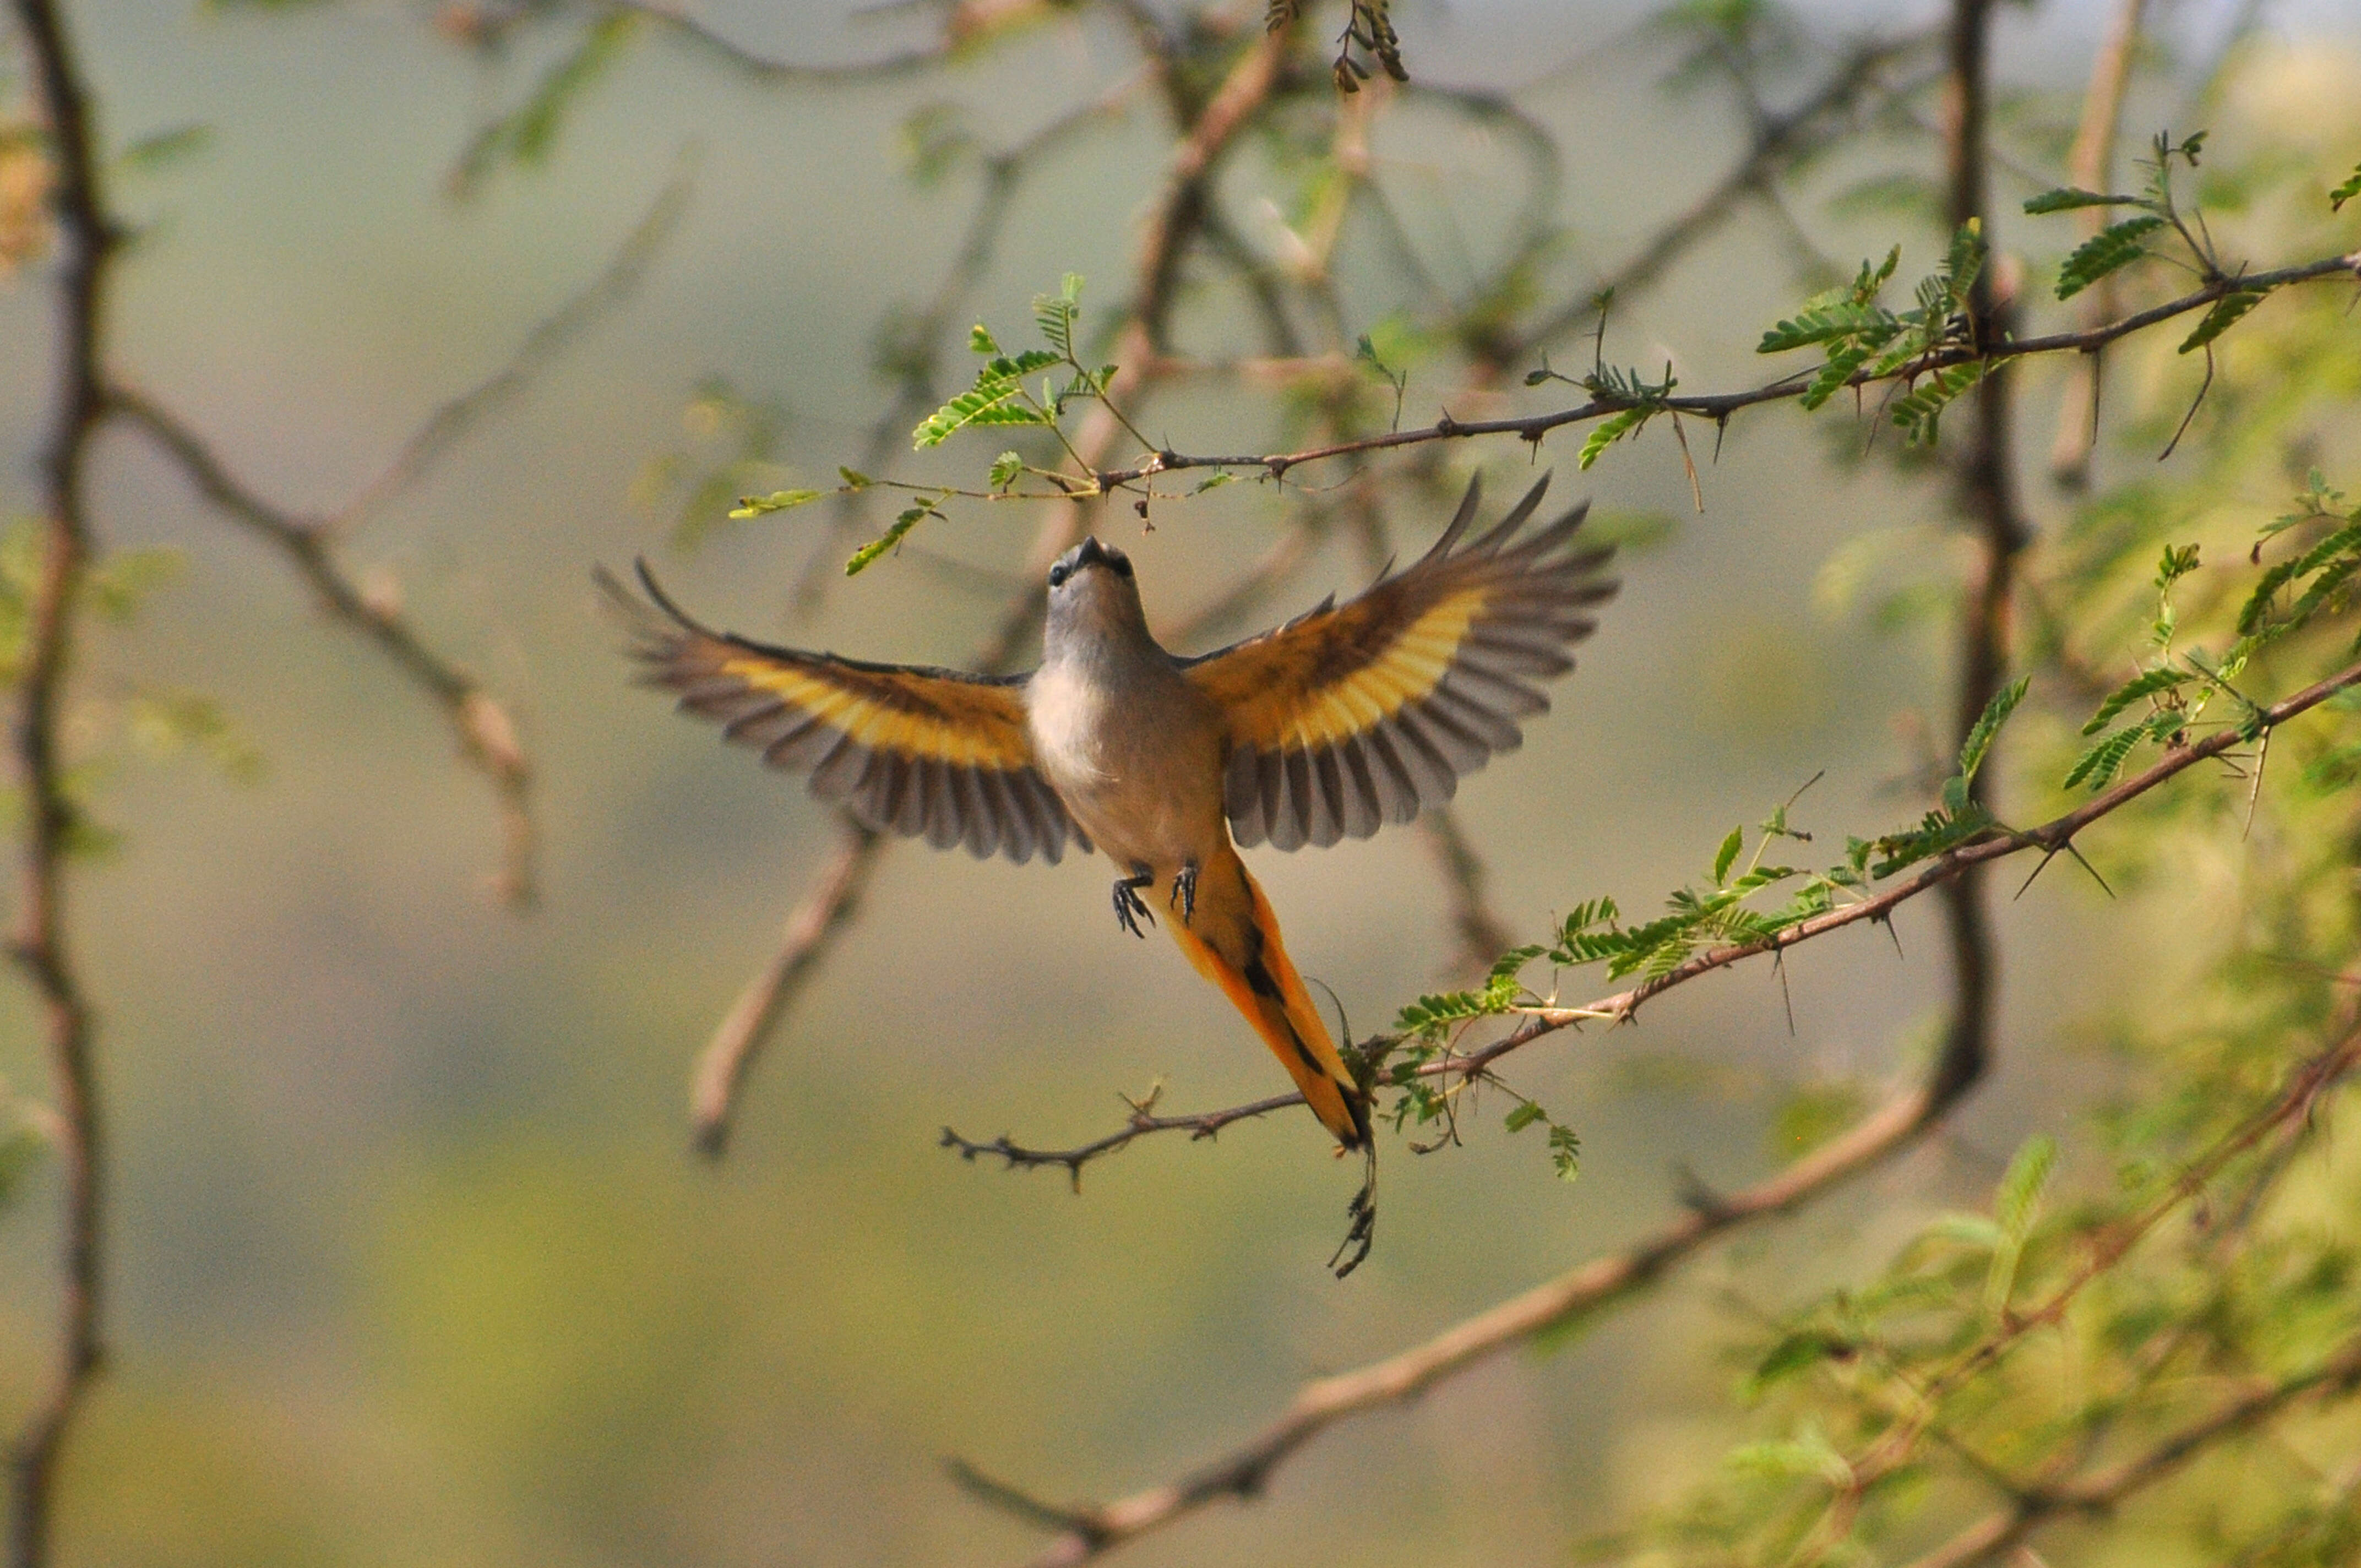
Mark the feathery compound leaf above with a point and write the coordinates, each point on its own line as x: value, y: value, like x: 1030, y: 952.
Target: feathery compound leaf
x: 1821, y: 322
x: 2066, y: 197
x: 2116, y: 245
x: 1610, y: 429
x: 1726, y: 855
x: 777, y: 501
x: 2130, y: 692
x: 1919, y: 414
x: 1055, y: 315
x: 890, y: 538
x: 2017, y: 1200
x: 1995, y: 714
x: 1005, y: 469
x: 2100, y: 764
x: 2257, y: 609
x: 1844, y: 359
x: 2223, y: 316
x: 2346, y: 192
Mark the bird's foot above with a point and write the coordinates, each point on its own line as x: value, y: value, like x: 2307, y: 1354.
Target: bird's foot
x: 1184, y: 891
x: 1363, y: 1213
x: 1130, y: 909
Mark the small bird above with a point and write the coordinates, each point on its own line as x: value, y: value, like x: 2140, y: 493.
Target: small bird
x: 1340, y: 721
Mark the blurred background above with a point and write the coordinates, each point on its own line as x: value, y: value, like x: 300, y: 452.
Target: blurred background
x: 413, y: 1261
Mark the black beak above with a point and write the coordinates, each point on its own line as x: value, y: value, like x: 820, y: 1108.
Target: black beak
x: 1090, y: 553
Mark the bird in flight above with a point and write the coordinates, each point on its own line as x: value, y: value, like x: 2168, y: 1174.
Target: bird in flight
x: 1344, y: 719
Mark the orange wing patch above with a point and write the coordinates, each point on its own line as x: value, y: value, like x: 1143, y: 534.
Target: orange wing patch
x: 927, y: 752
x: 1350, y: 717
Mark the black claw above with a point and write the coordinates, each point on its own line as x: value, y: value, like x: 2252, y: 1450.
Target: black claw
x: 1129, y: 909
x: 1184, y: 891
x: 1363, y: 1214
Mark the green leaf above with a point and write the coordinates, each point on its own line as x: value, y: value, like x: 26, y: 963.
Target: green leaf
x: 890, y: 538
x: 1726, y: 855
x: 1054, y: 313
x: 1215, y: 482
x: 987, y: 403
x: 2017, y: 1200
x: 1918, y: 413
x: 2066, y: 197
x: 151, y: 154
x: 1005, y: 469
x: 1995, y: 714
x: 981, y: 340
x: 2116, y: 245
x: 1843, y: 360
x: 2346, y: 192
x: 1523, y: 1115
x: 2130, y: 692
x: 854, y: 480
x: 2100, y: 764
x: 777, y: 501
x: 2223, y: 316
x: 1609, y: 431
x: 1821, y: 323
x: 1566, y: 1151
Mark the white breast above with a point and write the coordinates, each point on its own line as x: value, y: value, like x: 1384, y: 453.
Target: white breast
x: 1068, y: 718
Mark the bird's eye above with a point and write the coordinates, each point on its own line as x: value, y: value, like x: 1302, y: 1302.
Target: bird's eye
x: 1057, y: 575
x: 1122, y: 565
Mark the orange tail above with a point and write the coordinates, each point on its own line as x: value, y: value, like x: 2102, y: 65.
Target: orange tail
x: 1233, y: 938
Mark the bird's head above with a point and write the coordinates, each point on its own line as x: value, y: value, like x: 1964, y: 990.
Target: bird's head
x: 1092, y: 593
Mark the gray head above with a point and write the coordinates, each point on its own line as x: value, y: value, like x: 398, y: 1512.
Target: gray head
x: 1091, y: 595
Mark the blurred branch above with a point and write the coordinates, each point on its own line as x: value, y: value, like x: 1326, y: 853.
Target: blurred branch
x: 920, y: 350
x: 2089, y: 165
x: 87, y: 238
x: 2006, y: 1530
x: 681, y: 21
x: 1533, y: 427
x: 552, y: 336
x: 1779, y: 141
x: 827, y: 908
x: 486, y: 734
x: 1602, y: 1281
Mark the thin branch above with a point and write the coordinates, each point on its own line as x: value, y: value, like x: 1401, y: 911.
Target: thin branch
x: 916, y: 390
x: 1778, y: 141
x: 86, y: 241
x: 1533, y: 427
x: 555, y: 334
x: 2003, y: 1531
x: 2091, y: 166
x: 827, y: 905
x: 1243, y: 1474
x: 486, y: 734
x: 1143, y: 1120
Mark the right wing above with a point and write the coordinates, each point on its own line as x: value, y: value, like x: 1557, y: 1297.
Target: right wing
x: 904, y: 748
x: 1358, y: 714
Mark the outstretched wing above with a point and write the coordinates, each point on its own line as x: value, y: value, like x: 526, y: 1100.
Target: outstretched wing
x: 1348, y: 718
x: 920, y: 751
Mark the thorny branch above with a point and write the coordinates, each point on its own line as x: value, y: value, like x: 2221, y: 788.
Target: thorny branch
x: 1722, y: 405
x: 1241, y: 1475
x: 86, y: 241
x: 2052, y: 838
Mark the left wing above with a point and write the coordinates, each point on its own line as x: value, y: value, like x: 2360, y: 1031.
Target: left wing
x: 1348, y: 718
x: 906, y: 749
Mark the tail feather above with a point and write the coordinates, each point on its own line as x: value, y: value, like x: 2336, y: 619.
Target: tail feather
x: 1232, y: 940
